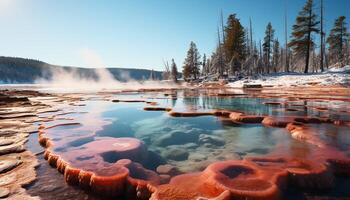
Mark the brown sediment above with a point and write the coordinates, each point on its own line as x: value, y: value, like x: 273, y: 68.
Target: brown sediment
x: 189, y: 114
x: 152, y: 103
x: 128, y: 101
x: 273, y: 103
x: 292, y: 109
x: 223, y: 113
x: 157, y: 109
x: 229, y: 94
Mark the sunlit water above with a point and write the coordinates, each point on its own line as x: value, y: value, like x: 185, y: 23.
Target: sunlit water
x: 188, y: 143
x: 199, y: 141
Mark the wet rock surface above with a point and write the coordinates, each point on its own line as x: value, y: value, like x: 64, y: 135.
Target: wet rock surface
x: 176, y: 154
x: 8, y: 163
x: 177, y: 137
x: 211, y: 139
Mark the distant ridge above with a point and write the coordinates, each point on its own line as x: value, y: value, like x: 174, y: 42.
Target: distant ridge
x: 22, y: 70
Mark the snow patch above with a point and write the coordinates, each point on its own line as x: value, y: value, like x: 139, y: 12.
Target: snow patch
x: 333, y: 76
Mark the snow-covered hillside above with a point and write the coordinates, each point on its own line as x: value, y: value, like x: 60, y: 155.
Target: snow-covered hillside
x: 333, y: 76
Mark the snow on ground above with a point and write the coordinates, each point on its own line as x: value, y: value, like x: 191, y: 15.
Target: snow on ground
x: 333, y: 76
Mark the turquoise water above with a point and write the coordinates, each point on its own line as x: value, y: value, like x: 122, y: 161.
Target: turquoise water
x: 190, y: 143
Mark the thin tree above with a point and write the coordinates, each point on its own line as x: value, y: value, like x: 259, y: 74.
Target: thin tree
x: 286, y: 38
x: 251, y: 34
x: 220, y: 56
x: 322, y: 39
x: 267, y: 45
x: 337, y: 40
x: 306, y: 24
x: 174, y: 73
x: 276, y: 55
x: 204, y: 64
x: 222, y: 26
x: 166, y: 72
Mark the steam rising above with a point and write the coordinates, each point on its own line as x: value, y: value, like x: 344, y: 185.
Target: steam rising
x: 71, y: 80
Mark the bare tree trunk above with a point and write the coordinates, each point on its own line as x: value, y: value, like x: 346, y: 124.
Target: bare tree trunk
x: 220, y: 55
x: 222, y: 27
x: 308, y: 44
x: 286, y: 38
x: 251, y: 36
x: 322, y: 36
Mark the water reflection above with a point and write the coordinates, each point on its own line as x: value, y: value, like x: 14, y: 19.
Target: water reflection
x: 192, y: 143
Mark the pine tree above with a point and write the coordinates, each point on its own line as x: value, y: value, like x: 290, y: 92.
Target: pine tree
x: 306, y: 24
x: 276, y: 55
x: 234, y: 43
x: 174, y: 73
x: 192, y: 63
x: 337, y: 40
x: 267, y: 45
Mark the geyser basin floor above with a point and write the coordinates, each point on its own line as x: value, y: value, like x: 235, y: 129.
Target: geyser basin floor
x: 182, y: 145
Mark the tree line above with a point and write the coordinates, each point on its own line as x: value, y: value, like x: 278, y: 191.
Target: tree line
x: 237, y: 54
x: 22, y: 70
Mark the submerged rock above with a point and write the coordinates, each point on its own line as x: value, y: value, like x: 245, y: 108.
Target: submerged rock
x: 197, y: 157
x: 191, y: 145
x: 177, y: 137
x: 211, y: 140
x: 168, y: 170
x: 176, y: 154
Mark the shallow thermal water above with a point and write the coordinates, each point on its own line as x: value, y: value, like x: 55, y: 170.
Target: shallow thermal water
x: 188, y: 143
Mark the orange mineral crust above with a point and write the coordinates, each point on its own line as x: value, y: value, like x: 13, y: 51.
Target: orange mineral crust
x: 242, y: 118
x: 116, y: 166
x: 223, y: 180
x: 305, y: 133
x: 107, y: 166
x: 277, y: 121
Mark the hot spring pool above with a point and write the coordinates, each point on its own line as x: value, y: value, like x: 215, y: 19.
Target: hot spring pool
x: 116, y: 135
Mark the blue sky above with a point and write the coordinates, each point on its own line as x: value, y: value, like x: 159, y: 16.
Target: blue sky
x: 134, y: 33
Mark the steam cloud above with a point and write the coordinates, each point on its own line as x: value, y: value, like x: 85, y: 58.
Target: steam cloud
x: 64, y: 80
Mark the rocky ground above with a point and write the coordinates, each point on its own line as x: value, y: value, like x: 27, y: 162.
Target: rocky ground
x: 17, y: 165
x: 19, y: 112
